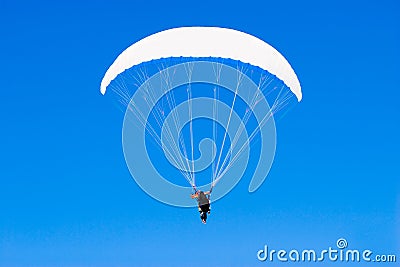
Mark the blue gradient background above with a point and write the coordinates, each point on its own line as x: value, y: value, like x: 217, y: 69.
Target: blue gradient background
x: 67, y: 198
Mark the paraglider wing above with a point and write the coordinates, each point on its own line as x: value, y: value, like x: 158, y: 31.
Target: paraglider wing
x: 205, y: 42
x: 225, y: 152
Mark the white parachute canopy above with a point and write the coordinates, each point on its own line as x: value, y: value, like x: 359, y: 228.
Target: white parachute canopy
x: 205, y: 42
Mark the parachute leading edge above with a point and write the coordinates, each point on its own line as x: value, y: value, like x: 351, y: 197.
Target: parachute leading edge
x: 205, y: 42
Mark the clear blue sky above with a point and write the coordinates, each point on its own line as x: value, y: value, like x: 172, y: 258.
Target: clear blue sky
x: 67, y: 198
